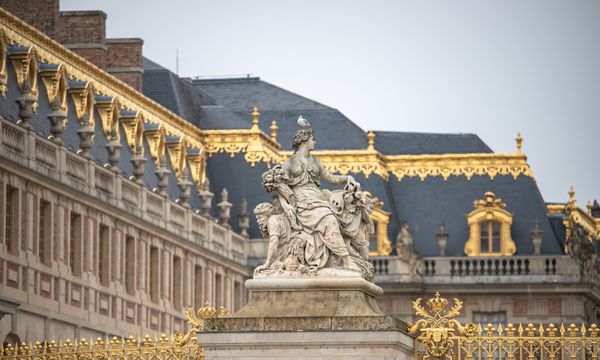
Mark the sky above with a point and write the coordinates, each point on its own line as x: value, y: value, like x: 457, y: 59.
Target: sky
x: 493, y: 68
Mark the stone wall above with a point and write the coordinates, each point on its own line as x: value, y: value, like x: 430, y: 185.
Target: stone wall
x: 81, y: 262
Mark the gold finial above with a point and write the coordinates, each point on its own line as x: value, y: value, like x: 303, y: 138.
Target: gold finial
x: 519, y: 140
x: 274, y: 130
x: 572, y: 202
x: 255, y: 117
x: 371, y: 137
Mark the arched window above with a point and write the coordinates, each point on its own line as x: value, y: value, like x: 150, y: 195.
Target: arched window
x: 489, y: 226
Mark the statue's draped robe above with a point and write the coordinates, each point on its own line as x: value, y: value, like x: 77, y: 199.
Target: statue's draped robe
x: 315, y: 213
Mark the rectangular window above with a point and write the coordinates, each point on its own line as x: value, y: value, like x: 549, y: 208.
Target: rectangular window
x: 218, y: 291
x: 103, y: 261
x: 44, y: 232
x: 154, y: 274
x: 176, y: 285
x: 495, y: 237
x: 10, y: 224
x: 130, y: 264
x: 237, y: 293
x: 493, y: 317
x: 490, y: 237
x: 198, y: 301
x: 75, y: 243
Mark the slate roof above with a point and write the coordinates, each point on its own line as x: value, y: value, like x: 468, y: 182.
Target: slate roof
x: 227, y: 103
x: 411, y: 143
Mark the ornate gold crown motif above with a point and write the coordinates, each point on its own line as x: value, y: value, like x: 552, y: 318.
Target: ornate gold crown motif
x: 437, y: 304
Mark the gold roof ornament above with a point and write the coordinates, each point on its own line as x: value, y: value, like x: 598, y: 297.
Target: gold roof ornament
x: 371, y: 140
x: 519, y: 140
x: 255, y: 118
x: 572, y: 203
x: 274, y: 129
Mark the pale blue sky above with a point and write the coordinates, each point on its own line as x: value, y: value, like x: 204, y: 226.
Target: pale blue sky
x: 492, y: 68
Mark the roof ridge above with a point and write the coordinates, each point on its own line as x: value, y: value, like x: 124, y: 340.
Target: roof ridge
x: 298, y: 95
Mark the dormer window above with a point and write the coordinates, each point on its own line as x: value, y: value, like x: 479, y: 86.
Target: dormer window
x: 489, y: 226
x: 490, y: 236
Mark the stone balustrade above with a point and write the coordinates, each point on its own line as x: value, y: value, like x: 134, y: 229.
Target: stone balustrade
x: 483, y: 269
x: 25, y: 147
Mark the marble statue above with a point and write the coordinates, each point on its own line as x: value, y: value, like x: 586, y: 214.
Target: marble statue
x: 408, y: 252
x: 315, y: 228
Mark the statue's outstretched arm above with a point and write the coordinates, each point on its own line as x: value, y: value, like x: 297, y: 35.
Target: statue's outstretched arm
x: 333, y: 179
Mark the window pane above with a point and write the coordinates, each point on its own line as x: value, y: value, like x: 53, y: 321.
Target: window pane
x: 496, y: 237
x: 485, y: 237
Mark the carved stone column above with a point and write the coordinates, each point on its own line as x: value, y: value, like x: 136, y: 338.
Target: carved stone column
x: 86, y: 136
x: 25, y: 102
x: 206, y: 197
x: 442, y: 239
x: 537, y: 235
x: 162, y: 174
x: 114, y: 150
x: 139, y: 165
x: 244, y: 219
x: 57, y: 121
x: 224, y: 209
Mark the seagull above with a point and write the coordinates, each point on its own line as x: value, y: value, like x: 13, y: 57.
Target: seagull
x: 303, y: 122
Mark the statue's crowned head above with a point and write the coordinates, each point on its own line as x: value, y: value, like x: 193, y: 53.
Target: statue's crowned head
x: 301, y: 137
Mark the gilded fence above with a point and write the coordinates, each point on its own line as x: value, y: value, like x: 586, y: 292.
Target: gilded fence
x: 440, y: 336
x: 178, y: 346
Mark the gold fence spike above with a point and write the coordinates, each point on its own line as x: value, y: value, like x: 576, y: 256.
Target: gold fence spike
x: 541, y: 330
x: 562, y: 329
x: 520, y: 331
x: 582, y: 329
x: 499, y: 329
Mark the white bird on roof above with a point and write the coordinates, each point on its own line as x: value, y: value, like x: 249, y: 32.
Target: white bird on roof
x: 303, y: 122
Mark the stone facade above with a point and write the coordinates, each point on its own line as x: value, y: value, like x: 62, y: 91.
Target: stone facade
x: 101, y: 255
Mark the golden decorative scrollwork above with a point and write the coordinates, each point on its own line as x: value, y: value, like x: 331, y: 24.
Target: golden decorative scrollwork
x: 3, y: 70
x: 108, y: 109
x: 133, y: 124
x: 197, y: 160
x: 572, y: 213
x: 440, y: 336
x: 55, y: 78
x: 467, y: 165
x: 156, y: 137
x: 381, y: 218
x: 438, y: 327
x: 176, y: 148
x: 489, y: 209
x: 176, y: 347
x: 24, y: 60
x: 82, y: 94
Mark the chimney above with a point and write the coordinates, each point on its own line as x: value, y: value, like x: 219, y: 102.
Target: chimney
x: 84, y: 32
x: 41, y: 14
x: 125, y: 60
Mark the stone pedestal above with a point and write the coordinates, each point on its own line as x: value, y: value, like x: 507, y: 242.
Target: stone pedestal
x: 330, y: 316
